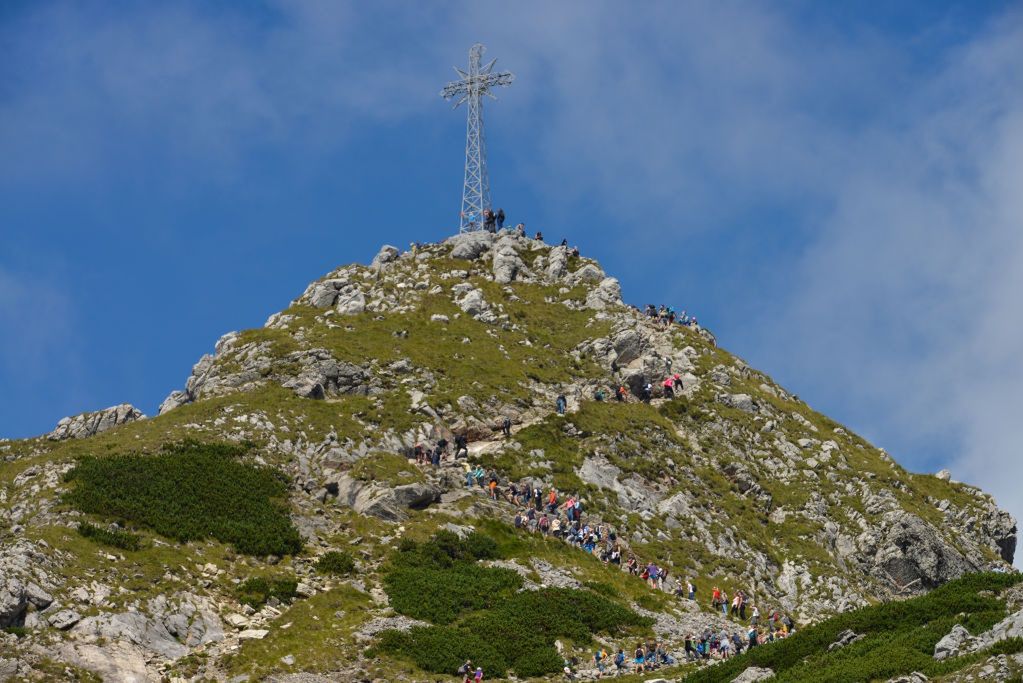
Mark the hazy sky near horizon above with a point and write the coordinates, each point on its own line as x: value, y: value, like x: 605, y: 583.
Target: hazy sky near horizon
x: 835, y: 189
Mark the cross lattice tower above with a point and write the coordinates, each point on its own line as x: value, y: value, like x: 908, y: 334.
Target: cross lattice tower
x: 470, y: 89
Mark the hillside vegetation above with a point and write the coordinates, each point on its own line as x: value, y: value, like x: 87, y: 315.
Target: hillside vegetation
x: 274, y: 518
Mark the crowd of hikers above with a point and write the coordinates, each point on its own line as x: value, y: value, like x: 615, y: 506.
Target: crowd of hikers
x: 666, y: 316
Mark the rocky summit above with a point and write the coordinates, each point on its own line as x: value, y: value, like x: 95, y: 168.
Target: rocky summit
x: 349, y: 494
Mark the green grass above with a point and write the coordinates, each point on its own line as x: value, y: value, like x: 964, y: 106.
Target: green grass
x: 388, y: 469
x: 190, y: 491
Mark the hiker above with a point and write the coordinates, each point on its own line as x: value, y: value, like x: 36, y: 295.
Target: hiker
x: 461, y: 444
x: 519, y: 519
x: 488, y: 221
x: 465, y: 670
x: 575, y: 252
x: 435, y: 457
x: 752, y: 637
x: 560, y: 404
x: 598, y: 395
x: 520, y: 229
x: 537, y: 498
x: 637, y: 660
x: 737, y: 643
x: 493, y: 488
x: 544, y: 524
x: 715, y: 598
x: 506, y: 426
x: 478, y: 676
x: 539, y: 236
x: 620, y: 394
x: 420, y: 454
x: 662, y: 576
x: 479, y: 475
x: 469, y: 476
x: 691, y: 590
x: 668, y: 384
x: 620, y: 660
x: 647, y: 392
x: 600, y: 659
x: 500, y: 219
x: 651, y: 574
x: 755, y: 617
x: 552, y: 501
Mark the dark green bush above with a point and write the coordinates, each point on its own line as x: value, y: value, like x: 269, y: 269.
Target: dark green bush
x: 119, y: 539
x: 190, y: 491
x: 440, y: 595
x: 900, y: 638
x: 480, y: 615
x: 255, y: 592
x: 336, y: 562
x: 19, y: 631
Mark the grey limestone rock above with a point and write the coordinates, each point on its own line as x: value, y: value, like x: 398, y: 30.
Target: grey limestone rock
x: 606, y: 295
x: 386, y: 255
x: 89, y: 424
x: 913, y: 554
x: 64, y: 619
x: 387, y: 503
x: 954, y: 644
x: 753, y: 674
x: 471, y: 246
x: 506, y: 264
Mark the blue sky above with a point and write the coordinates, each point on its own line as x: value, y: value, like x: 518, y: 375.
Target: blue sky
x: 833, y: 188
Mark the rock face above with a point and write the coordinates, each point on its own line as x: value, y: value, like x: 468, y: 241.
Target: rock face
x: 913, y: 552
x: 25, y: 581
x: 384, y: 502
x: 89, y: 424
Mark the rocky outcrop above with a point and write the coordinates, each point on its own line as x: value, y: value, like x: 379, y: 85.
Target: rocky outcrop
x: 470, y: 246
x: 954, y: 644
x: 913, y: 552
x: 90, y: 424
x: 25, y: 581
x: 385, y: 502
x: 506, y: 264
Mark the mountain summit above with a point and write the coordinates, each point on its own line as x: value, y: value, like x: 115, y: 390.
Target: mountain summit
x: 317, y: 496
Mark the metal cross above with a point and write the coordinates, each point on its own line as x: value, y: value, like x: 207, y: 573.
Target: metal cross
x: 473, y: 85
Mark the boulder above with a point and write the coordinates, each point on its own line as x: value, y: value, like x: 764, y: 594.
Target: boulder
x: 606, y: 295
x: 743, y: 402
x: 175, y: 399
x: 752, y: 674
x: 587, y: 273
x: 557, y: 263
x: 89, y: 424
x: 954, y: 644
x: 386, y: 255
x: 64, y: 619
x: 846, y: 637
x: 506, y: 263
x: 943, y: 475
x: 471, y: 245
x: 473, y: 303
x: 351, y: 303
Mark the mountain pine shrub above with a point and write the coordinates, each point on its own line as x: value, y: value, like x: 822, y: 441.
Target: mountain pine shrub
x: 119, y: 539
x: 190, y: 491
